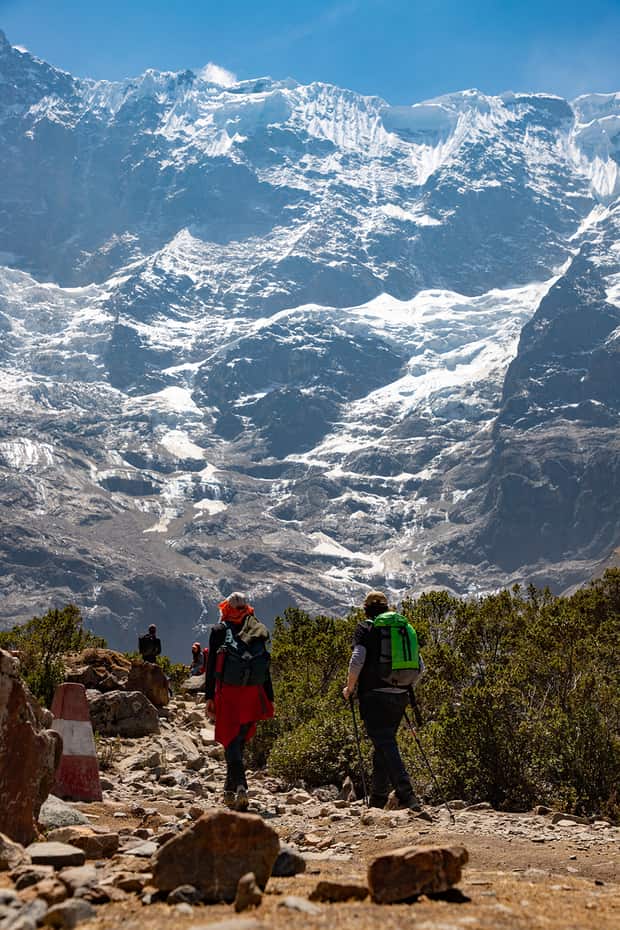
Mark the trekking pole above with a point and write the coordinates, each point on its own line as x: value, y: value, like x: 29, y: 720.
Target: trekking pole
x: 428, y: 765
x: 359, y: 753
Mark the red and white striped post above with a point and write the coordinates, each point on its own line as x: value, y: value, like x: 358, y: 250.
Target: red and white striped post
x: 77, y: 777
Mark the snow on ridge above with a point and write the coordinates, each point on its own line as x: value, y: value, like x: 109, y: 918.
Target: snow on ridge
x: 24, y: 454
x: 594, y: 144
x: 178, y: 443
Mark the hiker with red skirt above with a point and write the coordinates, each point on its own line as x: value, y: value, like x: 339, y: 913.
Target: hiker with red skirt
x: 238, y: 688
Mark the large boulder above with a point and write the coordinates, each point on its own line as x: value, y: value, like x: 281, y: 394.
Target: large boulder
x: 215, y: 852
x: 100, y: 669
x: 122, y: 713
x: 414, y: 870
x: 150, y: 680
x: 195, y: 684
x: 29, y: 754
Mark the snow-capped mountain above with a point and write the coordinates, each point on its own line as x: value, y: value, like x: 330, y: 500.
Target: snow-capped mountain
x: 294, y: 340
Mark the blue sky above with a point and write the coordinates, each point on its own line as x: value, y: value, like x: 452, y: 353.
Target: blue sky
x: 402, y: 50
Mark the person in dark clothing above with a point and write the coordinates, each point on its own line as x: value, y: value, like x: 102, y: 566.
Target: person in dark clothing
x: 198, y: 663
x: 236, y: 708
x: 150, y: 645
x: 381, y: 707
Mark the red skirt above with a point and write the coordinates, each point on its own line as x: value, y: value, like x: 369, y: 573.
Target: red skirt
x: 236, y: 705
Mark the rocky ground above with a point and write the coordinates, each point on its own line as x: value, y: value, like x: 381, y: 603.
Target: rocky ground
x: 528, y: 870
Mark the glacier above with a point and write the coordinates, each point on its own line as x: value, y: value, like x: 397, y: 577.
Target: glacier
x: 296, y: 340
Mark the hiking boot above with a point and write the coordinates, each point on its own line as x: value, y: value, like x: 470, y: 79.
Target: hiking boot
x: 377, y: 800
x: 241, y: 799
x: 410, y: 803
x: 228, y: 799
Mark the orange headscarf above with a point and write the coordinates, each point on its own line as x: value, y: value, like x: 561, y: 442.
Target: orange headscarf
x: 234, y: 614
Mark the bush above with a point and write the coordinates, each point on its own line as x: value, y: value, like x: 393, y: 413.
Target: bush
x: 521, y: 698
x: 42, y: 642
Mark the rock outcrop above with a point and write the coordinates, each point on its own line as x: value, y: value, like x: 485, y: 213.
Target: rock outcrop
x: 150, y: 680
x: 24, y: 735
x: 101, y: 669
x: 122, y: 713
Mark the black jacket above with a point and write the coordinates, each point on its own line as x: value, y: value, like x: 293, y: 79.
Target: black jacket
x: 150, y: 647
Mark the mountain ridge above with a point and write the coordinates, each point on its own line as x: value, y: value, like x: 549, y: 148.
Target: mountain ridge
x: 286, y: 338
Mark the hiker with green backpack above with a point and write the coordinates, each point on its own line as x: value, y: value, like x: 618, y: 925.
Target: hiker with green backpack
x: 384, y: 667
x: 238, y: 688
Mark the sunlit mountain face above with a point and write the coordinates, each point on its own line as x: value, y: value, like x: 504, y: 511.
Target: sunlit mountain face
x: 295, y: 341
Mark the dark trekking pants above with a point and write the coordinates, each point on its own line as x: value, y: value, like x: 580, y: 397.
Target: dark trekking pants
x: 382, y: 712
x: 235, y: 769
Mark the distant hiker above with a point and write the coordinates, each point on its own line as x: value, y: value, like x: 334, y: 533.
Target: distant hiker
x: 150, y: 645
x: 238, y: 688
x: 198, y: 663
x: 384, y: 665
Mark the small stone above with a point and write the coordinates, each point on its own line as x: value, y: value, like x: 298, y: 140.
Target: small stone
x: 288, y: 863
x: 12, y: 854
x: 95, y: 845
x: 233, y: 923
x: 541, y: 810
x: 131, y: 882
x: 184, y: 909
x: 56, y: 813
x: 184, y: 894
x: 563, y: 819
x: 414, y: 870
x: 56, y: 854
x: 25, y: 875
x: 50, y: 889
x: 294, y: 903
x: 9, y: 898
x: 329, y: 890
x: 69, y: 914
x: 248, y: 893
x: 457, y: 804
x: 29, y: 916
x: 144, y: 850
x: 81, y: 877
x: 481, y: 806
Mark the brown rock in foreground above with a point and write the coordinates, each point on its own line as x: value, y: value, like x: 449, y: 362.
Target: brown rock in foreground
x: 95, y: 845
x: 150, y: 680
x: 215, y: 852
x: 24, y: 736
x: 413, y: 870
x: 339, y: 890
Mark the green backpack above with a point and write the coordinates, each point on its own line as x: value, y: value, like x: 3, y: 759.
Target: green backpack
x: 399, y: 656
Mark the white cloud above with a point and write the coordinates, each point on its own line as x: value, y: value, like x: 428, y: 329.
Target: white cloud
x: 218, y: 75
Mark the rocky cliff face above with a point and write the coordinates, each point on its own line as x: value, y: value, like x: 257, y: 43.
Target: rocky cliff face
x: 294, y: 340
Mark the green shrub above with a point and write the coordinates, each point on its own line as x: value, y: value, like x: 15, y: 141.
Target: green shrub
x: 42, y: 642
x: 521, y: 698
